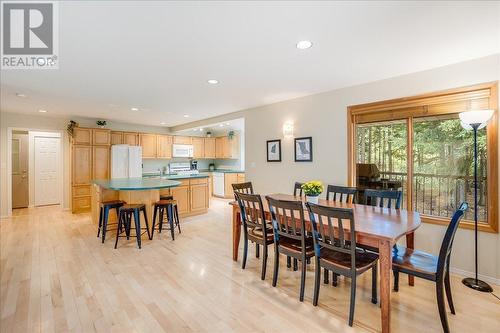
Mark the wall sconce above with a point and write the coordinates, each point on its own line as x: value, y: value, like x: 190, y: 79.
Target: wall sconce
x: 288, y: 129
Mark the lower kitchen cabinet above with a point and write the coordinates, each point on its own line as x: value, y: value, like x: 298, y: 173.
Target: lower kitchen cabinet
x: 181, y: 195
x: 192, y: 196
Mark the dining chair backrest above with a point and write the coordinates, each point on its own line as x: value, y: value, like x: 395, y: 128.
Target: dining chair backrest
x: 378, y: 197
x: 297, y: 189
x: 243, y: 187
x: 331, y: 225
x: 251, y: 211
x: 446, y: 245
x: 288, y: 219
x: 341, y: 193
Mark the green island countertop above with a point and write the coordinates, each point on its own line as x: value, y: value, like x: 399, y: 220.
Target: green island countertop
x: 136, y: 184
x: 176, y: 176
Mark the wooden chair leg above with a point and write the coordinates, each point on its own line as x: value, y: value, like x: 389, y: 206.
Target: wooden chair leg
x: 317, y: 279
x: 288, y: 262
x: 447, y: 288
x: 303, y: 265
x: 374, y: 283
x: 441, y: 305
x: 295, y: 264
x: 353, y: 300
x: 276, y: 265
x: 326, y: 276
x: 335, y: 278
x: 257, y: 250
x: 396, y: 280
x: 264, y: 262
x: 245, y: 249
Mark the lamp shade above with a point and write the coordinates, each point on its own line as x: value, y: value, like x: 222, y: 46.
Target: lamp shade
x: 477, y: 117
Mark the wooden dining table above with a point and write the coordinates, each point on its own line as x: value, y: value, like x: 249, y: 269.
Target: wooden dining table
x: 375, y: 227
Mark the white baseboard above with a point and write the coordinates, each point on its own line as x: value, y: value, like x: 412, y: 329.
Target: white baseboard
x: 485, y: 278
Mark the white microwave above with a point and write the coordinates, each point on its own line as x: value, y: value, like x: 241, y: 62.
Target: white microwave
x: 182, y: 150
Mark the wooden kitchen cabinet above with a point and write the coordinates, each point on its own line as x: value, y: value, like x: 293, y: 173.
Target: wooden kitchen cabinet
x: 198, y: 191
x: 164, y: 146
x: 82, y: 136
x: 82, y: 165
x: 116, y: 138
x: 182, y: 140
x: 148, y: 144
x: 101, y: 136
x: 181, y: 195
x: 198, y: 147
x: 229, y: 180
x: 219, y: 147
x: 240, y: 178
x: 227, y: 148
x: 131, y: 138
x: 209, y: 147
x: 100, y: 162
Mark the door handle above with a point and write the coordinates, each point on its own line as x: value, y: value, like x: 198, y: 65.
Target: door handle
x: 23, y: 176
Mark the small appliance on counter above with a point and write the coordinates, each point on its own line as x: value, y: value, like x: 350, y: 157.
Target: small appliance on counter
x: 182, y: 150
x: 182, y: 168
x: 194, y: 165
x: 211, y: 167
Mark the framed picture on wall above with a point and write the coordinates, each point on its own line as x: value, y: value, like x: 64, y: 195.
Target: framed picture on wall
x: 273, y: 150
x: 303, y: 149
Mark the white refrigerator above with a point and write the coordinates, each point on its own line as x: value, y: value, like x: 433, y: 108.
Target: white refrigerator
x: 126, y: 161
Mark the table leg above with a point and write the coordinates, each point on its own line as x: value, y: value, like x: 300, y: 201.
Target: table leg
x: 236, y: 222
x: 385, y: 256
x: 410, y: 244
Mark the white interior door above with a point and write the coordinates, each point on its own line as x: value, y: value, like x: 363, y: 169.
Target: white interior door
x: 47, y: 175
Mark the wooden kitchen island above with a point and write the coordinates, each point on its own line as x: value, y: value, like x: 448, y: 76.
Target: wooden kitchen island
x: 190, y: 192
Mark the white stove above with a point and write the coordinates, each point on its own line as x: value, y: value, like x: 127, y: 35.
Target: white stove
x: 182, y: 168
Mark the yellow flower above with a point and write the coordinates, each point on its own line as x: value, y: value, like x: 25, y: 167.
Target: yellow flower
x: 313, y: 187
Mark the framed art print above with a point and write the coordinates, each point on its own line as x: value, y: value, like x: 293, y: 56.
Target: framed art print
x: 274, y: 150
x: 303, y: 149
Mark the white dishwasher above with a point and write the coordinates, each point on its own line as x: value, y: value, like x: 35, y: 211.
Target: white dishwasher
x: 219, y: 184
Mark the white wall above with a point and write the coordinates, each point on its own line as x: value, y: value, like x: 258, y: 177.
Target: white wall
x: 324, y: 117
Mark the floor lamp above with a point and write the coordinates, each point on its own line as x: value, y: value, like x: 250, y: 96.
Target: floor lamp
x: 475, y: 120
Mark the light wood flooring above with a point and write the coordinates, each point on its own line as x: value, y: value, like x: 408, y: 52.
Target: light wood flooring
x: 56, y: 276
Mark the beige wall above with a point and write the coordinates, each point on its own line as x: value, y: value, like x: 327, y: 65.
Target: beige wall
x: 324, y: 117
x: 46, y: 122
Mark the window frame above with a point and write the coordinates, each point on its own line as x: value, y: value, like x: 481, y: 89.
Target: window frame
x: 437, y: 103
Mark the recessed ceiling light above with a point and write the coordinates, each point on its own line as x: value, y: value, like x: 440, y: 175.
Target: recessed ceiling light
x: 220, y: 125
x: 227, y: 124
x: 213, y: 81
x: 195, y: 129
x: 21, y: 95
x: 186, y: 116
x: 304, y: 44
x: 134, y: 109
x: 201, y: 129
x: 162, y: 123
x: 42, y: 111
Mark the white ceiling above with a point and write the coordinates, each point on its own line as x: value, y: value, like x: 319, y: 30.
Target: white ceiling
x: 157, y: 56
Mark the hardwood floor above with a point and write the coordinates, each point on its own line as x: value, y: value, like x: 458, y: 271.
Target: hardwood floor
x: 56, y: 276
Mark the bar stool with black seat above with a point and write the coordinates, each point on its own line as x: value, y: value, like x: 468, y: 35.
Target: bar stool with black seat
x: 125, y: 221
x: 429, y: 267
x: 104, y: 208
x: 339, y: 194
x: 338, y: 253
x: 166, y: 208
x: 255, y: 226
x: 290, y: 236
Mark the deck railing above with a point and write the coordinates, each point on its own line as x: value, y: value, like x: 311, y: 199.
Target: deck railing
x: 440, y: 195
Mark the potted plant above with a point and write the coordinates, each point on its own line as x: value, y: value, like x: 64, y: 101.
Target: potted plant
x: 209, y: 134
x: 230, y: 135
x: 312, y: 190
x: 71, y: 125
x: 101, y: 123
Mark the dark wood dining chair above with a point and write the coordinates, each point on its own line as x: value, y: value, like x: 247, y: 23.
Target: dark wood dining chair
x: 246, y: 187
x: 379, y: 197
x: 297, y: 189
x: 430, y: 267
x: 341, y: 193
x: 334, y: 239
x: 255, y: 227
x: 290, y: 236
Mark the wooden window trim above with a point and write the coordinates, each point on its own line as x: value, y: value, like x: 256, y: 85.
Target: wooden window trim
x: 464, y: 98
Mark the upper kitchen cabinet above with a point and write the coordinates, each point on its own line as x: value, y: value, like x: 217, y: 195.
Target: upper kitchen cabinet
x: 164, y: 146
x: 149, y: 145
x: 182, y: 140
x: 130, y: 138
x: 82, y: 136
x: 116, y: 138
x: 227, y: 148
x: 209, y: 144
x: 198, y: 147
x: 101, y: 137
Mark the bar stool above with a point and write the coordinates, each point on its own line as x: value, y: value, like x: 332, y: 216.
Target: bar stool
x: 125, y: 217
x: 104, y: 209
x: 170, y: 206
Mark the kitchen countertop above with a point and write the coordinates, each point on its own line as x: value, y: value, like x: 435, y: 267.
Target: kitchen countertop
x: 136, y: 184
x: 224, y: 171
x: 175, y: 176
